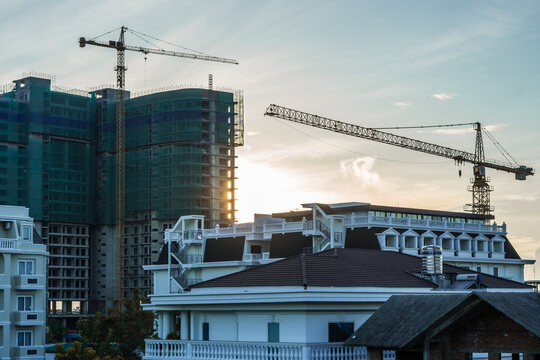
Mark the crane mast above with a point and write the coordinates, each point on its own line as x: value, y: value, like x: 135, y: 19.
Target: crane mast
x: 480, y: 188
x: 120, y: 69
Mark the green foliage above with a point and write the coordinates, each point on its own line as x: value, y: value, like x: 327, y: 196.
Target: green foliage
x: 56, y: 331
x: 60, y: 354
x: 118, y: 336
x: 90, y: 354
x: 130, y: 327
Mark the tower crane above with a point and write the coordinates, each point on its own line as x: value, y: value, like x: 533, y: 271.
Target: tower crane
x: 120, y: 46
x: 480, y: 188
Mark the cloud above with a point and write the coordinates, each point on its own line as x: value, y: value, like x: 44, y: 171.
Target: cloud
x: 443, y: 96
x: 361, y: 169
x: 402, y: 103
x: 521, y: 197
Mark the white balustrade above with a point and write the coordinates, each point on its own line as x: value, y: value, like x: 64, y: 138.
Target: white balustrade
x: 9, y: 244
x: 228, y: 350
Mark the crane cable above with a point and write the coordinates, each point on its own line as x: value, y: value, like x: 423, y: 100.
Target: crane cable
x: 167, y: 42
x: 419, y: 126
x: 356, y: 152
x: 108, y: 32
x: 499, y: 147
x: 143, y: 39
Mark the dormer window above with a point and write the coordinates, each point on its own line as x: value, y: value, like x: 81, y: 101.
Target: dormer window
x: 447, y: 244
x: 26, y: 233
x: 391, y: 240
x: 497, y: 247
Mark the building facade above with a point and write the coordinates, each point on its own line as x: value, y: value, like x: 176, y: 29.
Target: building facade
x: 57, y: 157
x: 301, y: 307
x: 23, y: 298
x: 471, y: 241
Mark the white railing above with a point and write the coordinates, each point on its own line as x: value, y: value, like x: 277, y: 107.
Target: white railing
x: 251, y: 257
x: 10, y: 244
x: 233, y: 230
x: 362, y: 220
x: 289, y: 226
x: 229, y: 350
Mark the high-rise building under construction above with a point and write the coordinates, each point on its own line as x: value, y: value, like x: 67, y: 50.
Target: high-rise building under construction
x: 57, y: 157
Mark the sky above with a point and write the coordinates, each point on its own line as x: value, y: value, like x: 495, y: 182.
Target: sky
x: 375, y: 64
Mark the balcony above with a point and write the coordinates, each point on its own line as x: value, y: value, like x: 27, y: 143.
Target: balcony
x: 443, y: 225
x: 251, y: 257
x: 229, y: 350
x: 10, y: 244
x: 28, y: 282
x: 28, y: 352
x: 28, y: 318
x: 235, y: 230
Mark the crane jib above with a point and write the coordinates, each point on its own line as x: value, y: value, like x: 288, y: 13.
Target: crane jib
x: 392, y: 139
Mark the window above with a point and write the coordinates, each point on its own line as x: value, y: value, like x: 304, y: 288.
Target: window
x: 391, y: 241
x: 273, y: 332
x: 339, y: 332
x: 24, y: 338
x: 410, y: 242
x: 478, y: 269
x: 205, y: 331
x: 26, y: 233
x: 495, y: 271
x: 26, y: 267
x: 447, y: 244
x: 24, y: 303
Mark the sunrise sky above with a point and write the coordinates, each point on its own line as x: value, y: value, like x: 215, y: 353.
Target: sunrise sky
x: 378, y: 63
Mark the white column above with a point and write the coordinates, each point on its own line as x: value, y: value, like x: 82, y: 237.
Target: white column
x: 160, y: 325
x: 191, y: 325
x: 166, y: 324
x: 184, y: 325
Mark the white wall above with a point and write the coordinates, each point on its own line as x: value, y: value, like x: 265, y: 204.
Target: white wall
x: 294, y: 326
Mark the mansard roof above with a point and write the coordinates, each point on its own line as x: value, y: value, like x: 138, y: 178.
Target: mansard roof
x: 346, y: 268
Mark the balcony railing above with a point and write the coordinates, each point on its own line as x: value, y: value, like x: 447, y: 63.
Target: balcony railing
x: 362, y: 220
x: 229, y: 350
x: 234, y: 230
x: 10, y: 244
x: 251, y: 257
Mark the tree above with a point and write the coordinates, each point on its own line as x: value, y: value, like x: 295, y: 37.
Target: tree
x: 130, y: 327
x: 121, y: 334
x: 56, y: 331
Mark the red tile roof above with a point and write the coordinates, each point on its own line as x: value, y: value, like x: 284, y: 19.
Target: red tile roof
x: 345, y: 268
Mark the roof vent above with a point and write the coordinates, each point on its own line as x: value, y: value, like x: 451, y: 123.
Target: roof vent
x: 432, y: 263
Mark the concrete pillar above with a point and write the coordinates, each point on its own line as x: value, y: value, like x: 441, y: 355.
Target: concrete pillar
x: 184, y: 325
x: 191, y: 325
x: 160, y: 325
x: 166, y: 323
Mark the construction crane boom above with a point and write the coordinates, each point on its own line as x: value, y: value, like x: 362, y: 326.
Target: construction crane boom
x: 120, y: 47
x: 392, y: 139
x: 480, y: 188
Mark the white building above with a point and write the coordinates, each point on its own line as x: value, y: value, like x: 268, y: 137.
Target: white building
x: 298, y: 308
x: 471, y: 241
x: 23, y: 265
